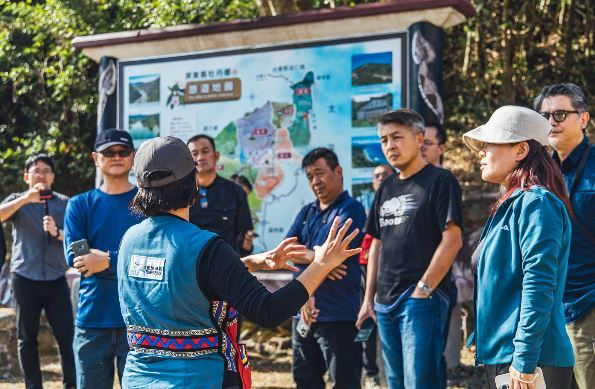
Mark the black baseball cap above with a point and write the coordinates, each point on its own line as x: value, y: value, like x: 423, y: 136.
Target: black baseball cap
x: 162, y: 161
x: 112, y: 137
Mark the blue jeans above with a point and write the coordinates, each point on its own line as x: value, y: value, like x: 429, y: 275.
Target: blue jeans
x: 94, y: 352
x: 412, y: 338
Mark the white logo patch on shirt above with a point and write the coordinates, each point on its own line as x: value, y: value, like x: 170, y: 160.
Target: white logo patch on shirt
x: 396, y: 210
x: 505, y: 227
x: 146, y: 267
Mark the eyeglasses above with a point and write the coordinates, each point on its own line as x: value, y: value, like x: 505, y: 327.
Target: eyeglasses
x: 112, y: 153
x: 428, y: 143
x: 43, y: 172
x: 202, y: 197
x: 559, y: 115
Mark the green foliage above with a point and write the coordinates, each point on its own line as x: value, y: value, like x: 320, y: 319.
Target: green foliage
x: 48, y: 89
x: 505, y: 55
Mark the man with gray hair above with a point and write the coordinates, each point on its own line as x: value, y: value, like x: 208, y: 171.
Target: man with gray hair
x: 565, y: 106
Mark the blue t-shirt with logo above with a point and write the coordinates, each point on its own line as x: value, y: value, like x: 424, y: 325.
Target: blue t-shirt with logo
x: 337, y: 300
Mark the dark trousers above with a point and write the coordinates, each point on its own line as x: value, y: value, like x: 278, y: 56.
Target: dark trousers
x: 328, y: 346
x: 452, y: 302
x: 555, y: 377
x: 370, y: 349
x: 369, y: 346
x: 54, y: 298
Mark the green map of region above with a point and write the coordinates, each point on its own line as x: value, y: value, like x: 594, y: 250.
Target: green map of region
x: 257, y: 144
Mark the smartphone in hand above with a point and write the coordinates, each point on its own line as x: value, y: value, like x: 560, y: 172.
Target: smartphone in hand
x: 80, y: 247
x: 366, y: 331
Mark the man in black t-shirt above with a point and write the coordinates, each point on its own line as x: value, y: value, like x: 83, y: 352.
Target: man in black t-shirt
x: 222, y: 206
x: 415, y: 221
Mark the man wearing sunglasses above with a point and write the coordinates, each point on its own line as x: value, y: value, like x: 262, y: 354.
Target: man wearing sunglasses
x: 566, y: 108
x: 37, y: 268
x: 101, y: 216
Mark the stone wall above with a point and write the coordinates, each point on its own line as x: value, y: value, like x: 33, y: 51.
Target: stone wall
x: 9, y: 362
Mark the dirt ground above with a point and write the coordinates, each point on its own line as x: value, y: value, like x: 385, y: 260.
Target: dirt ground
x: 270, y: 358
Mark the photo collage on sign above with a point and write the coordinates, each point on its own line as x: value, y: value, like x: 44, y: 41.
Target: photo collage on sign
x: 372, y: 96
x: 144, y: 95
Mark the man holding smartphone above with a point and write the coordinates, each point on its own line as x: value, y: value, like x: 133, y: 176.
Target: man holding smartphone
x: 101, y: 217
x: 38, y: 268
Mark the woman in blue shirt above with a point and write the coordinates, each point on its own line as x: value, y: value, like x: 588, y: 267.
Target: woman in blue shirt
x: 522, y: 255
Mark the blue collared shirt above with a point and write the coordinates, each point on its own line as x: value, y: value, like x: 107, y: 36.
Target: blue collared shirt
x: 579, y: 295
x: 337, y: 300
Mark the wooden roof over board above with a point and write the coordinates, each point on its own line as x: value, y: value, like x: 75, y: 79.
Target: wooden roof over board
x: 341, y: 22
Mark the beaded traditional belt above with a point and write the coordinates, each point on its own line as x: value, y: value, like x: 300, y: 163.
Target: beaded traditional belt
x: 188, y: 343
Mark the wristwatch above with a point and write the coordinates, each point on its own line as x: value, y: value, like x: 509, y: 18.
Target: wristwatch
x: 425, y: 288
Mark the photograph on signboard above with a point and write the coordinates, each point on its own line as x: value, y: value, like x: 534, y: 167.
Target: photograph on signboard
x: 366, y: 152
x: 144, y: 89
x: 370, y: 69
x: 143, y: 127
x: 366, y: 109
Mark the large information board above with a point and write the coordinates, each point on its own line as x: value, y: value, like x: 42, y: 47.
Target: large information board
x: 267, y: 107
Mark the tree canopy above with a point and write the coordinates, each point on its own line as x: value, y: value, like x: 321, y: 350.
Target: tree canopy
x: 48, y: 90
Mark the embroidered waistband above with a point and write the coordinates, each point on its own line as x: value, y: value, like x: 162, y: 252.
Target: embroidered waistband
x: 173, y: 343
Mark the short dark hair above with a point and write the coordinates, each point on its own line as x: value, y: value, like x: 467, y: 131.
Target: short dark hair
x: 202, y: 136
x: 179, y: 194
x: 578, y: 99
x: 440, y: 131
x: 242, y: 180
x: 404, y: 117
x: 41, y: 157
x: 321, y: 152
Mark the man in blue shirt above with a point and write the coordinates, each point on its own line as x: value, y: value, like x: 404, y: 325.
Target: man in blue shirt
x: 101, y: 216
x: 565, y: 106
x: 332, y: 310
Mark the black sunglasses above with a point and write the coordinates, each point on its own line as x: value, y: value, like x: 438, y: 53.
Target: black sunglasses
x: 121, y: 153
x: 559, y: 115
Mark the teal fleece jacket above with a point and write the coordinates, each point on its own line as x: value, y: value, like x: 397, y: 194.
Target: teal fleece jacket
x: 521, y: 273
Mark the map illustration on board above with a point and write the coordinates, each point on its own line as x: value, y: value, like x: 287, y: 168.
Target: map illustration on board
x: 266, y: 110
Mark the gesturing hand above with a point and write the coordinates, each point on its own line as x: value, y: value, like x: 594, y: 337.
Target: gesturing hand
x: 336, y: 247
x: 288, y: 250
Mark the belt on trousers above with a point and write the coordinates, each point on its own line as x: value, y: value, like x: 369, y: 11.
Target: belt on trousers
x: 182, y: 344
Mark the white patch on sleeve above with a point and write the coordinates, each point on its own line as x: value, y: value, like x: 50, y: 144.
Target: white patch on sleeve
x: 146, y: 267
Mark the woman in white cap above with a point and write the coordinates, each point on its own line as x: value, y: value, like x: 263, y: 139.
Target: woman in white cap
x: 522, y: 255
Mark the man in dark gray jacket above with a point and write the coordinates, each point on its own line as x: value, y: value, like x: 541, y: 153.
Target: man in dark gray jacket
x: 38, y: 268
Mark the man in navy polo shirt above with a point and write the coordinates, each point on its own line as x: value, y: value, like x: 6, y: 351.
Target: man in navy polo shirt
x: 332, y: 311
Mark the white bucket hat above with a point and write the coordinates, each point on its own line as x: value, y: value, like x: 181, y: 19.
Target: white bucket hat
x: 509, y: 124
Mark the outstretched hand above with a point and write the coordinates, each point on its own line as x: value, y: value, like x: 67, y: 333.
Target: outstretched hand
x: 336, y: 247
x: 288, y: 250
